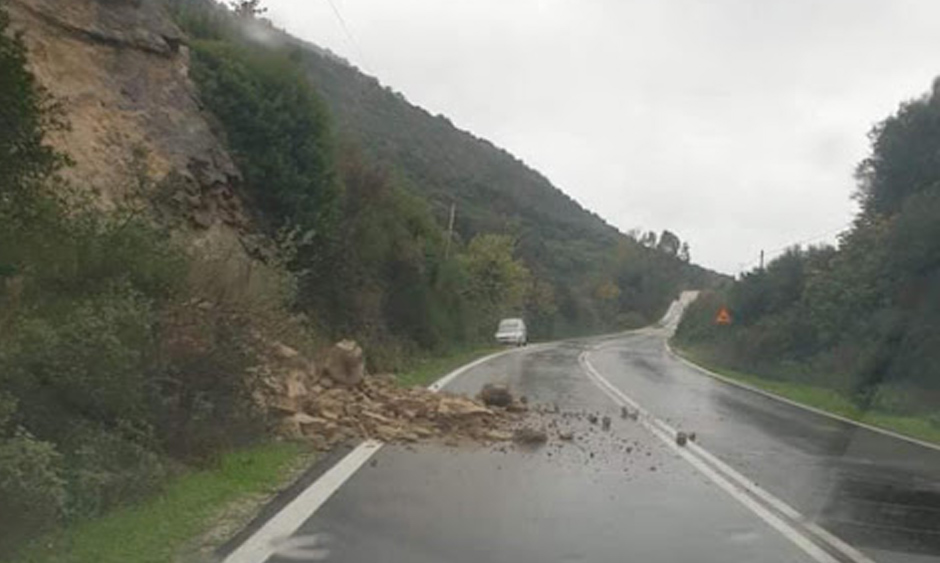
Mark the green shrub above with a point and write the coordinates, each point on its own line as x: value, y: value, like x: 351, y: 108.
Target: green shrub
x: 32, y: 491
x: 80, y: 359
x: 202, y: 392
x: 106, y: 467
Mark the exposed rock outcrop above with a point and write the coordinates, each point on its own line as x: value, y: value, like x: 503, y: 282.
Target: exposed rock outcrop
x: 119, y: 69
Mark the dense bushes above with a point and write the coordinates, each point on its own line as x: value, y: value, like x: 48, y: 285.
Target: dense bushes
x: 31, y: 487
x: 115, y: 363
x: 864, y: 318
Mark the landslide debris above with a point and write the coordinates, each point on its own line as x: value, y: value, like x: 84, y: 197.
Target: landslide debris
x: 340, y: 401
x: 337, y: 401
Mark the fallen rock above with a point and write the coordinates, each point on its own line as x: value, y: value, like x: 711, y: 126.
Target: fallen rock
x: 529, y: 436
x: 292, y: 426
x: 692, y: 436
x: 283, y: 351
x: 345, y: 364
x: 459, y: 406
x: 516, y: 407
x: 498, y: 435
x: 495, y: 395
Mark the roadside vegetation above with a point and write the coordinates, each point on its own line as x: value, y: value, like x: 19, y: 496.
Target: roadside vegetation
x: 824, y: 398
x: 121, y: 367
x: 167, y: 527
x: 860, y: 321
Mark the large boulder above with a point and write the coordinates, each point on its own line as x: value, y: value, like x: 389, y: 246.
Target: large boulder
x: 287, y: 379
x: 345, y: 364
x: 494, y: 395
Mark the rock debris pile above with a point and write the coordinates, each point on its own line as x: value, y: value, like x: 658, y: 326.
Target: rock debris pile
x: 340, y: 402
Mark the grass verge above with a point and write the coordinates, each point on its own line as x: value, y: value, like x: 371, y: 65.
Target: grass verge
x: 173, y: 525
x: 425, y: 370
x: 825, y: 399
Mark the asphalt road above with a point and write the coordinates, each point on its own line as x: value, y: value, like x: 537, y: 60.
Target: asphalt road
x: 630, y: 494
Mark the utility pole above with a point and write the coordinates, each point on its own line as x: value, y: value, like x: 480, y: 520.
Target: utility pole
x: 450, y: 230
x: 762, y: 260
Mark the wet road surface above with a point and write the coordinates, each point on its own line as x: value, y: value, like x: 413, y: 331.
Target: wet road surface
x: 624, y: 494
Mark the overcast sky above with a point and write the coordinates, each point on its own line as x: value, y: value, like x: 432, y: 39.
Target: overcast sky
x: 735, y: 123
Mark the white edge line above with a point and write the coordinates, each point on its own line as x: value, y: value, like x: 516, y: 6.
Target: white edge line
x: 262, y: 544
x: 781, y: 506
x: 791, y: 402
x: 653, y: 425
x: 444, y: 381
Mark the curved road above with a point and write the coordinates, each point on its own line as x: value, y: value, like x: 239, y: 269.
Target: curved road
x: 764, y: 481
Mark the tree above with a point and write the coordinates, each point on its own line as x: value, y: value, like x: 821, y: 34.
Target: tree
x: 669, y: 243
x: 607, y: 292
x: 903, y: 159
x: 498, y: 281
x: 27, y: 114
x: 248, y: 8
x: 684, y: 253
x: 278, y: 130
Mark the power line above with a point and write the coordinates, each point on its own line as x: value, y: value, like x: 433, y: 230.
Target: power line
x: 349, y: 35
x: 770, y: 255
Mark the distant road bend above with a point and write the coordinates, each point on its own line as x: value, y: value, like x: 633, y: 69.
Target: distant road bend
x: 764, y: 481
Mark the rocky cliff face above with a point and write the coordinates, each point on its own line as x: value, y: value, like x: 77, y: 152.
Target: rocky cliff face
x: 119, y: 68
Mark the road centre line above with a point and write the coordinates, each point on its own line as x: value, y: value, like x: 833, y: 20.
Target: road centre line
x: 264, y: 543
x: 782, y: 507
x: 723, y: 475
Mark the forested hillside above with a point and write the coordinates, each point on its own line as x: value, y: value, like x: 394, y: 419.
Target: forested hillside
x: 570, y: 248
x: 862, y: 319
x: 580, y: 274
x: 139, y: 323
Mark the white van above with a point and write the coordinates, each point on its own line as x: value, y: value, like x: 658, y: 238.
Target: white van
x: 512, y: 331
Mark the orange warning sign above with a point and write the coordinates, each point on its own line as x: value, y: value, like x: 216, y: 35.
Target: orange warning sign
x: 724, y: 317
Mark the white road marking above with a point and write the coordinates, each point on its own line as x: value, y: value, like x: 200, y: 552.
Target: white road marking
x: 791, y: 402
x: 273, y: 534
x: 740, y: 492
x: 264, y: 542
x: 444, y: 381
x: 782, y: 507
x: 303, y: 548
